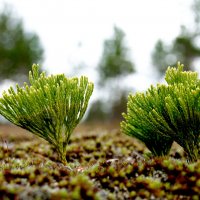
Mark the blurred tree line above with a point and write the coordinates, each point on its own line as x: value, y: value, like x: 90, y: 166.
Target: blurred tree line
x: 184, y: 48
x: 20, y: 49
x: 113, y: 67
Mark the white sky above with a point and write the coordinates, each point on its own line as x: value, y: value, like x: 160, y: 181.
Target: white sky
x: 73, y: 31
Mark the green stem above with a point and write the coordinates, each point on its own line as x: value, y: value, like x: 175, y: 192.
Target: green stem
x: 62, y: 157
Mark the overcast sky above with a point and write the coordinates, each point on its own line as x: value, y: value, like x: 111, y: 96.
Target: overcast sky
x: 73, y: 31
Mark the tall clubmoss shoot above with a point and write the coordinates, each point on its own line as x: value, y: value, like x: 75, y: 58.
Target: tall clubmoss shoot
x: 167, y: 113
x: 51, y: 107
x: 183, y: 107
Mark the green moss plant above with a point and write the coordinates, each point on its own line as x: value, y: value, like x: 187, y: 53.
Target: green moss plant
x: 167, y: 113
x: 50, y: 107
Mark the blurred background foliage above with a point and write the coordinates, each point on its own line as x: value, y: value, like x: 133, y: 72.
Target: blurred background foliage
x: 20, y: 49
x: 113, y: 67
x: 184, y: 48
x: 114, y: 62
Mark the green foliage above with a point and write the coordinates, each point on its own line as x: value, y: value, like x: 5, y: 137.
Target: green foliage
x: 114, y: 62
x: 145, y: 119
x: 50, y: 107
x: 183, y: 107
x: 18, y: 49
x: 167, y: 113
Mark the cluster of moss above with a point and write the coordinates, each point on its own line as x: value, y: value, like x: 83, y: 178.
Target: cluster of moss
x: 99, y: 167
x: 158, y: 178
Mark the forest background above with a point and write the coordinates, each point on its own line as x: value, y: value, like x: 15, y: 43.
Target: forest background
x: 118, y: 58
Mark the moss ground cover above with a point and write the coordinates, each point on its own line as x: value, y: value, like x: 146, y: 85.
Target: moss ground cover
x: 99, y: 167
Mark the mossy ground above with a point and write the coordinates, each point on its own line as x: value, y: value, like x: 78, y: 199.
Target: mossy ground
x: 102, y: 164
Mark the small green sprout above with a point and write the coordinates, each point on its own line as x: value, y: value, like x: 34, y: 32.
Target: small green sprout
x: 167, y: 113
x: 51, y: 107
